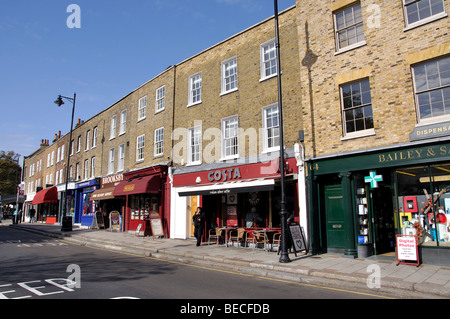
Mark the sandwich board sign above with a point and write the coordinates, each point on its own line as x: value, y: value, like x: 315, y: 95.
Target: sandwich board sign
x: 407, y: 250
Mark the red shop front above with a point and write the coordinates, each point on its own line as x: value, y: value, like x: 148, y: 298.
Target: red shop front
x: 245, y: 196
x: 146, y: 192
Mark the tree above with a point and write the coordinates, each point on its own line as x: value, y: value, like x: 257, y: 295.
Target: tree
x: 10, y: 172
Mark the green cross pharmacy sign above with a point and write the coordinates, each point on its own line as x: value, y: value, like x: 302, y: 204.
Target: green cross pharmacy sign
x: 373, y: 179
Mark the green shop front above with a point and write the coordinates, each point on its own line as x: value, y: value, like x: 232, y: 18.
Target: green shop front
x: 359, y: 202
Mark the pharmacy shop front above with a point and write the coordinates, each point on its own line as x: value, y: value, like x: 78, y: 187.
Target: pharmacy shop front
x: 360, y: 202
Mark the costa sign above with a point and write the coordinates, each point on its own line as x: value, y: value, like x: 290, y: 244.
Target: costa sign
x: 224, y: 175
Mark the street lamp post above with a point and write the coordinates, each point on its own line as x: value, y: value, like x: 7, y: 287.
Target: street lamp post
x: 284, y: 256
x: 66, y: 224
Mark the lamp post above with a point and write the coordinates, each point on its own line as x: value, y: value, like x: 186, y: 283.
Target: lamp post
x: 284, y: 256
x: 66, y: 224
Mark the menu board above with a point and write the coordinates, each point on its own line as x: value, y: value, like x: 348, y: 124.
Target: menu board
x: 232, y: 215
x: 114, y: 221
x: 298, y: 238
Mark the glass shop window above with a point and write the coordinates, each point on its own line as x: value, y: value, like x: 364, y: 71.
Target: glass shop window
x: 142, y: 205
x: 424, y: 203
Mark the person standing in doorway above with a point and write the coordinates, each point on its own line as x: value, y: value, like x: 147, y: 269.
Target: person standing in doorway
x: 32, y: 213
x: 199, y: 224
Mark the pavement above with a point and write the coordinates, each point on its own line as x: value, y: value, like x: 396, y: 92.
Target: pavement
x: 373, y: 274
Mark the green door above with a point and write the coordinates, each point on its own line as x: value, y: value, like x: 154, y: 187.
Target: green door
x: 334, y: 210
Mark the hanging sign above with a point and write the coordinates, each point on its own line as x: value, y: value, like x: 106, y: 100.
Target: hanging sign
x: 407, y: 250
x: 373, y: 179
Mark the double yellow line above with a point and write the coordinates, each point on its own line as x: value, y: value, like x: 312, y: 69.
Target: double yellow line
x: 233, y: 272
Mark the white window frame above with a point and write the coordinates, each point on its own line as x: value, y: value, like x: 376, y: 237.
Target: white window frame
x: 431, y: 18
x: 160, y: 102
x: 48, y: 160
x: 56, y: 177
x: 63, y: 148
x: 228, y: 79
x: 58, y: 154
x: 86, y: 169
x: 123, y: 122
x: 159, y: 142
x: 93, y: 166
x: 113, y: 128
x: 61, y: 176
x: 441, y: 87
x: 195, y: 145
x: 357, y: 133
x: 111, y: 160
x: 94, y: 137
x: 264, y: 62
x: 88, y: 139
x: 121, y: 158
x: 53, y: 158
x: 142, y: 108
x: 266, y: 129
x: 195, y: 89
x: 79, y: 144
x: 140, y: 148
x: 226, y: 130
x: 77, y: 172
x: 354, y: 25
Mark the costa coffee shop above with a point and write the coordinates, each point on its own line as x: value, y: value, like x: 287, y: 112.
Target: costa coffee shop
x: 360, y: 201
x: 245, y: 195
x: 144, y: 193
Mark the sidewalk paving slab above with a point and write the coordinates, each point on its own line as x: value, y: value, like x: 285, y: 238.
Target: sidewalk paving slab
x: 427, y: 279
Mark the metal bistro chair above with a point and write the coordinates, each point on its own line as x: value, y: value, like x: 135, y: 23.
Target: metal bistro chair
x: 237, y: 235
x: 258, y: 237
x: 276, y: 241
x: 215, y: 234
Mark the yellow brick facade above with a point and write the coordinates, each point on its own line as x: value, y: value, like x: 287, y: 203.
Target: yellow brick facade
x: 390, y: 49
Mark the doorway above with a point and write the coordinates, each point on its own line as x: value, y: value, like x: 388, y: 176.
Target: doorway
x: 382, y: 213
x: 334, y: 212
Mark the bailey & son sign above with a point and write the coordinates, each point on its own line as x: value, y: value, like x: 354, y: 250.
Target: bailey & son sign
x: 403, y: 156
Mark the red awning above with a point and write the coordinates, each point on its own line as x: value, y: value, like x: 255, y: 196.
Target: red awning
x: 140, y: 185
x: 49, y: 195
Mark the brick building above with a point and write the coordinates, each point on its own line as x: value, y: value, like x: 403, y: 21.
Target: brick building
x: 226, y: 130
x: 375, y: 92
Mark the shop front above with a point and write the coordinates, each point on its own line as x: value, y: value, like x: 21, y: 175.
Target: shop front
x: 360, y: 202
x: 46, y: 201
x: 84, y: 207
x: 241, y: 196
x: 145, y: 192
x: 104, y: 200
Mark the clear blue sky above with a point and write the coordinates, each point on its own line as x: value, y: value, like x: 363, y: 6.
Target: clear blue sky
x: 120, y: 46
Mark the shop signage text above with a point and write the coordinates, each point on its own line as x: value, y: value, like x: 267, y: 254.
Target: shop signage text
x: 224, y: 175
x: 430, y: 131
x: 112, y: 179
x: 420, y: 153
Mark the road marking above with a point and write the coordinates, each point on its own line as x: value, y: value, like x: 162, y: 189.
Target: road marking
x: 234, y: 273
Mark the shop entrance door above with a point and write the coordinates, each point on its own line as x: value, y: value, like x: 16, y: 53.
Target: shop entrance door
x: 334, y: 212
x: 382, y: 219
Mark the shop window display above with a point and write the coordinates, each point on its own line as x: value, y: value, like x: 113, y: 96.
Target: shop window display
x: 141, y: 205
x: 424, y: 203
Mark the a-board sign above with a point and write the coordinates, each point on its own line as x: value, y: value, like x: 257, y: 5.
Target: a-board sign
x: 298, y: 238
x: 156, y: 224
x: 100, y: 220
x: 407, y: 250
x: 114, y: 221
x: 138, y: 230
